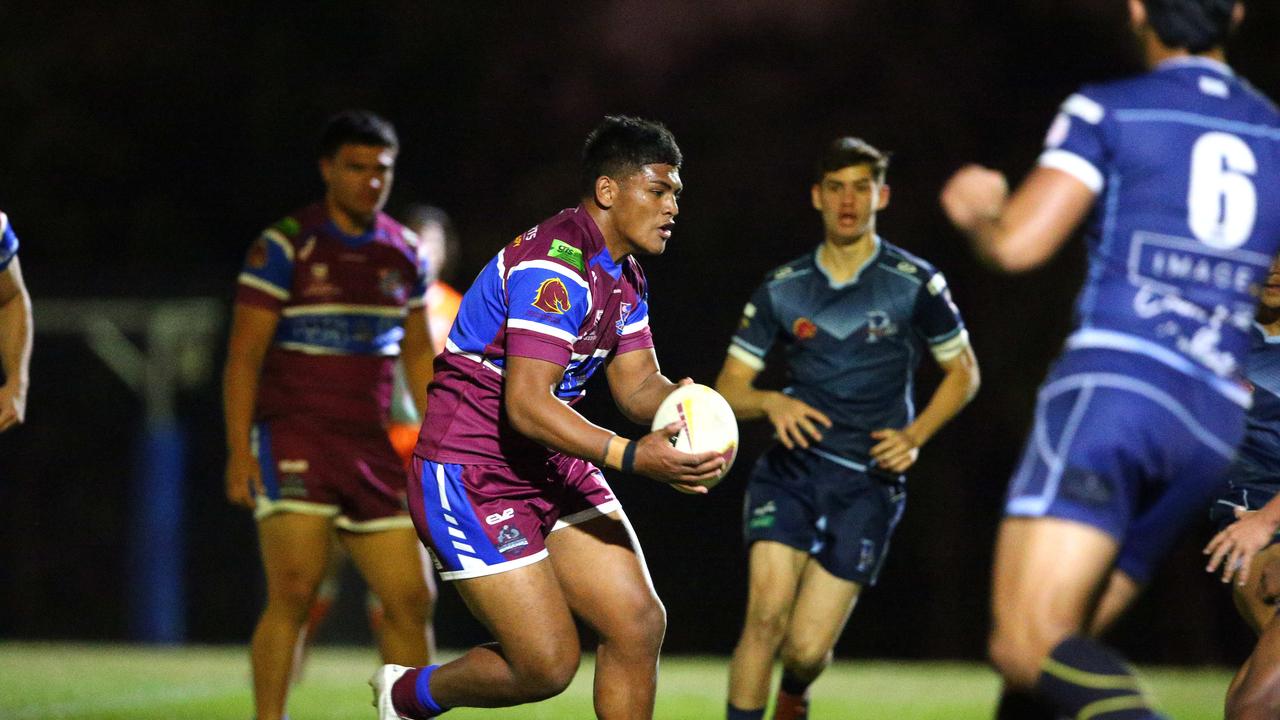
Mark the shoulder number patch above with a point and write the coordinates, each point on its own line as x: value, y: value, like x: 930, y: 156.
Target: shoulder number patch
x: 552, y: 297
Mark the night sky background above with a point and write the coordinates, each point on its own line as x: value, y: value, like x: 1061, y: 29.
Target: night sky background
x: 143, y: 146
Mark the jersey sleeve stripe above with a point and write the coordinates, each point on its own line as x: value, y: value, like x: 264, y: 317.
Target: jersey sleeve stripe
x: 636, y: 326
x: 1084, y: 108
x: 1075, y: 166
x: 745, y: 356
x: 553, y: 267
x: 948, y: 349
x: 937, y: 284
x: 343, y: 309
x: 538, y: 327
x: 258, y: 283
x: 474, y: 357
x: 281, y: 241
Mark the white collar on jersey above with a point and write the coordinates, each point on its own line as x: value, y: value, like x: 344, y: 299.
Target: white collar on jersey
x: 875, y: 253
x: 1196, y: 61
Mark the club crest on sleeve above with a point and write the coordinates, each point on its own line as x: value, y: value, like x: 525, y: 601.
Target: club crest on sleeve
x: 804, y: 328
x: 552, y: 297
x: 623, y: 311
x: 258, y: 254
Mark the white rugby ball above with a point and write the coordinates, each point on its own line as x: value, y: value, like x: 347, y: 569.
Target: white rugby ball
x: 709, y: 424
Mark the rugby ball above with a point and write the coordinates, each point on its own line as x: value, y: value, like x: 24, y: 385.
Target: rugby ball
x: 709, y: 424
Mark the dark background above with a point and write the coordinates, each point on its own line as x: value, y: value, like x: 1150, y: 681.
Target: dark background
x: 142, y: 147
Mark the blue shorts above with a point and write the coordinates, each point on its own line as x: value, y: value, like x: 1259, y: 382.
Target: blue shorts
x: 1129, y: 446
x: 1248, y: 487
x: 842, y: 517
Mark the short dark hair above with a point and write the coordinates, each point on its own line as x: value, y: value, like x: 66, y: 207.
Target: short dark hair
x: 621, y: 145
x: 1197, y: 25
x: 356, y: 127
x: 846, y: 152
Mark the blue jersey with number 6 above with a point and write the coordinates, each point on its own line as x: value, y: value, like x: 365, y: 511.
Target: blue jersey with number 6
x: 1185, y: 161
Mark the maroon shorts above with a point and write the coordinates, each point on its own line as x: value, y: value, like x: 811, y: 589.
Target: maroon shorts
x: 485, y: 519
x: 318, y: 468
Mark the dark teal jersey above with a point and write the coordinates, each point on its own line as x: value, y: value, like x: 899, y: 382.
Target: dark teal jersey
x: 852, y: 348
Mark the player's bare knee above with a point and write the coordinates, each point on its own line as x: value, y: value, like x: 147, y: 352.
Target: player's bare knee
x: 293, y: 592
x: 766, y: 624
x: 548, y: 672
x: 805, y: 658
x: 1014, y: 658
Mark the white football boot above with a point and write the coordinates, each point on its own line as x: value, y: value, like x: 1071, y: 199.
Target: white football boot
x: 381, y: 682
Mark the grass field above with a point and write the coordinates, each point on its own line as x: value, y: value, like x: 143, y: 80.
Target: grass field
x: 120, y: 682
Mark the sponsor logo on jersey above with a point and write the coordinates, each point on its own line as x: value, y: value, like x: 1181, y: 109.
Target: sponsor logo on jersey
x: 293, y: 466
x: 495, y: 518
x: 510, y: 538
x: 906, y: 267
x: 257, y: 254
x: 623, y: 311
x: 804, y: 329
x: 292, y: 485
x: 879, y: 326
x: 552, y: 297
x: 566, y: 253
x: 392, y: 284
x: 318, y: 285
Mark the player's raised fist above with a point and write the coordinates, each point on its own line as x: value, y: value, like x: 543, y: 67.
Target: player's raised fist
x: 974, y: 194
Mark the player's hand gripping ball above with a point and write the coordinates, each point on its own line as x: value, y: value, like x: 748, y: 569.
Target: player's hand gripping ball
x: 709, y: 424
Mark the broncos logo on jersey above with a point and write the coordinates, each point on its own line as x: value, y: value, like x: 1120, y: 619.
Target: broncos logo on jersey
x: 552, y: 297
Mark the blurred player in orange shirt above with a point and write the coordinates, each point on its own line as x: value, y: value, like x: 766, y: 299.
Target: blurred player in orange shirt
x: 438, y: 245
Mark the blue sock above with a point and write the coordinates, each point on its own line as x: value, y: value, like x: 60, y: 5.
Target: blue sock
x: 423, y: 688
x: 739, y: 714
x: 1083, y: 678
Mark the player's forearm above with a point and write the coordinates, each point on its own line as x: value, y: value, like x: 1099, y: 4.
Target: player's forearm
x: 957, y: 388
x: 641, y: 404
x: 239, y: 395
x: 16, y: 341
x: 1271, y: 511
x: 549, y: 422
x: 748, y: 403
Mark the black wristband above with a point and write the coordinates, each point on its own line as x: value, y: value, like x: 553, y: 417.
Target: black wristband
x: 629, y: 457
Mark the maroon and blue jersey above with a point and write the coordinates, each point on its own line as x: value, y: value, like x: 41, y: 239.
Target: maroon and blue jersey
x: 554, y: 294
x: 1183, y: 160
x: 8, y: 242
x: 342, y: 302
x: 852, y: 348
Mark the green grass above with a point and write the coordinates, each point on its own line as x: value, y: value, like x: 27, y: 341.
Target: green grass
x: 120, y: 682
